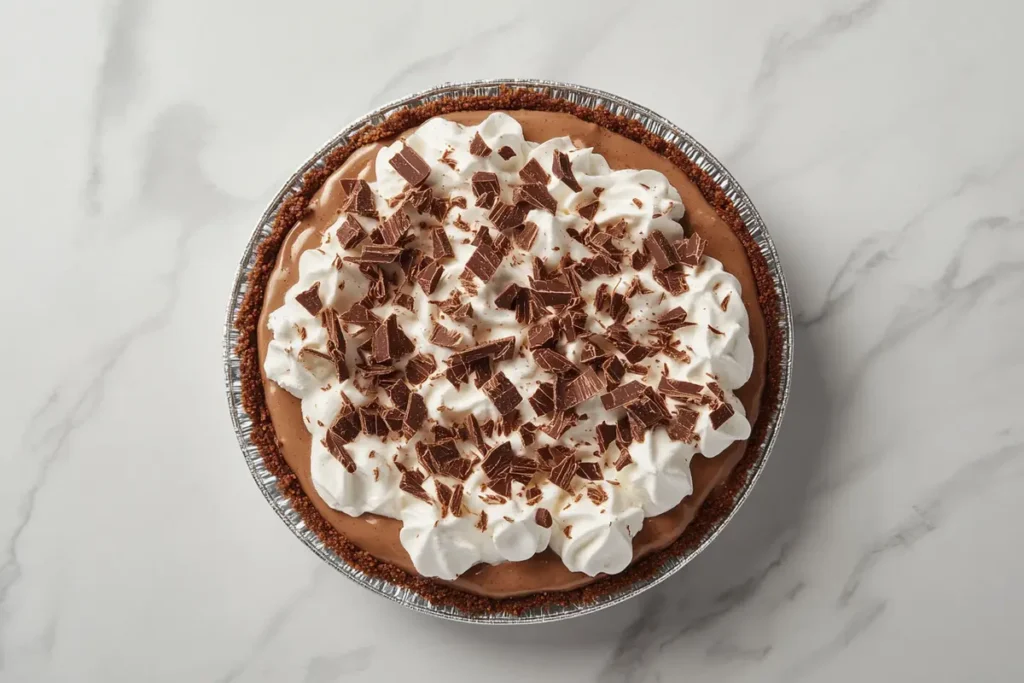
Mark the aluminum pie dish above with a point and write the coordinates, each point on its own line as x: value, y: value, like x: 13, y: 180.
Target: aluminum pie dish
x: 586, y: 97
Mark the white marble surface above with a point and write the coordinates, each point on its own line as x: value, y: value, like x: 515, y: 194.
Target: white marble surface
x: 883, y: 140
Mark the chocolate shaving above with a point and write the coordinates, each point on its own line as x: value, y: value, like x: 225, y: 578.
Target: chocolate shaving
x: 506, y: 152
x: 502, y: 393
x: 552, y: 361
x: 481, y: 523
x: 419, y: 368
x: 410, y: 165
x: 507, y: 216
x: 442, y: 247
x: 682, y: 424
x: 663, y: 253
x: 389, y: 342
x: 584, y: 387
x: 561, y: 168
x: 543, y: 518
x: 533, y: 172
x: 596, y: 495
x: 588, y: 211
x: 360, y: 198
x: 484, y: 262
x: 721, y: 414
x: 442, y: 336
x: 412, y: 483
x: 692, y: 250
x: 478, y: 147
x: 535, y: 195
x: 351, y: 232
x: 310, y: 299
x: 394, y: 227
x: 622, y: 395
x: 562, y: 473
x: 542, y: 333
x: 591, y: 471
x: 335, y: 446
x: 507, y: 298
x: 543, y: 399
x: 553, y: 292
x: 526, y: 236
x: 430, y: 276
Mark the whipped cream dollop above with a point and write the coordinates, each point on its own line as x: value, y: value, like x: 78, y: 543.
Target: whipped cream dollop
x: 591, y: 523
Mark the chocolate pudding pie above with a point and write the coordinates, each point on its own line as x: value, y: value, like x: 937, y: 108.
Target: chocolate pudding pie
x: 507, y: 350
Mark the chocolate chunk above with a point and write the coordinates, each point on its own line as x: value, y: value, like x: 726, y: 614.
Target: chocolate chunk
x: 415, y: 415
x: 535, y: 195
x: 721, y: 414
x: 405, y: 301
x: 582, y: 388
x: 389, y: 342
x: 552, y: 361
x: 335, y: 446
x: 692, y: 250
x: 507, y: 298
x: 483, y: 262
x: 678, y: 389
x: 663, y: 253
x: 596, y: 495
x: 623, y: 437
x: 523, y: 470
x: 478, y: 147
x: 412, y: 483
x: 442, y: 247
x: 373, y: 423
x: 482, y: 371
x: 646, y: 410
x: 541, y: 333
x: 359, y: 314
x: 485, y: 182
x: 533, y: 172
x: 672, y: 281
x: 482, y: 237
x: 543, y: 399
x: 377, y: 253
x: 526, y: 235
x: 563, y: 472
x: 429, y: 277
x: 543, y: 518
x: 674, y: 319
x: 486, y: 200
x: 499, y: 349
x: 442, y: 336
x: 604, y: 265
x: 360, y: 198
x: 439, y: 208
x: 614, y: 370
x: 591, y: 471
x: 421, y: 198
x: 503, y: 393
x: 419, y: 368
x: 506, y: 152
x: 507, y: 216
x: 481, y: 522
x: 351, y: 232
x: 503, y: 487
x: 574, y: 324
x: 588, y: 211
x: 394, y: 227
x: 529, y: 308
x: 561, y: 168
x: 399, y: 394
x: 410, y: 165
x: 310, y: 299
x: 498, y: 463
x: 553, y: 292
x: 444, y: 496
x: 561, y: 422
x: 640, y: 259
x: 682, y: 425
x: 623, y: 460
x: 605, y: 437
x: 618, y: 308
x: 346, y: 426
x: 622, y: 395
x: 592, y: 353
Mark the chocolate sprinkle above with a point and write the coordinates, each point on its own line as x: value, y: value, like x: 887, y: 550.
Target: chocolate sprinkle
x: 410, y: 165
x: 561, y: 168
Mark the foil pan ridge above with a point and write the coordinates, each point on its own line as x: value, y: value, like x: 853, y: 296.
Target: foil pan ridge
x: 584, y: 96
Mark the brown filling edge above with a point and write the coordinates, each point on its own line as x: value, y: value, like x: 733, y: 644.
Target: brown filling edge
x: 718, y: 505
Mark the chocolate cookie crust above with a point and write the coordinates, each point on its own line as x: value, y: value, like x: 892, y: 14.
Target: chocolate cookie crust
x: 718, y: 505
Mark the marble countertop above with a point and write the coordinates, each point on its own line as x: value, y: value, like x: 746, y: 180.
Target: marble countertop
x: 883, y: 142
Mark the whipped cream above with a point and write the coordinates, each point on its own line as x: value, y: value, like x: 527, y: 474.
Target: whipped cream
x: 592, y: 528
